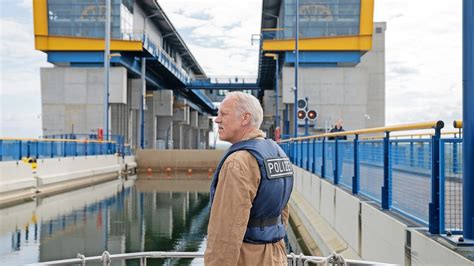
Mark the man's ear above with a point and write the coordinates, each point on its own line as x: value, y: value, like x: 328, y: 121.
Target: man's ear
x: 246, y: 119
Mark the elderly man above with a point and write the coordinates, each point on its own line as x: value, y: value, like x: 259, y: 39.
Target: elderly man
x: 249, y: 192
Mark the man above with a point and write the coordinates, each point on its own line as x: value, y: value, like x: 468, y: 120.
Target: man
x: 249, y: 192
x: 338, y: 128
x: 339, y: 161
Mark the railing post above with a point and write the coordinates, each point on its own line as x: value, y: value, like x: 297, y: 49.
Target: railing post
x: 19, y: 150
x: 356, y: 177
x: 313, y: 169
x: 323, y: 164
x: 412, y: 154
x: 1, y: 150
x: 301, y: 155
x: 434, y: 207
x: 387, y: 175
x: 307, y: 155
x: 442, y: 175
x: 28, y: 149
x: 455, y: 158
x: 336, y: 161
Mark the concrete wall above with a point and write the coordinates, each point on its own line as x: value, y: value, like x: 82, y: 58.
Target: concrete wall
x: 73, y: 98
x: 18, y: 181
x: 358, y: 229
x: 355, y: 94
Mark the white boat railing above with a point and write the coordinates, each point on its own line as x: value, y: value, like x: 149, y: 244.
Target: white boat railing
x: 293, y: 259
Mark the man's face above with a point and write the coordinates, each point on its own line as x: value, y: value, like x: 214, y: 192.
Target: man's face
x: 339, y: 123
x: 229, y: 121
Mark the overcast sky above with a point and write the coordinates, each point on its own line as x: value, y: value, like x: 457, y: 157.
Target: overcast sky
x: 423, y: 55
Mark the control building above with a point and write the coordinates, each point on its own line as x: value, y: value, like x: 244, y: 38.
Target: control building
x: 341, y: 63
x: 145, y: 44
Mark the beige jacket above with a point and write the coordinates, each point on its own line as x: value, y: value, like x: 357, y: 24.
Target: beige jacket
x: 239, y: 179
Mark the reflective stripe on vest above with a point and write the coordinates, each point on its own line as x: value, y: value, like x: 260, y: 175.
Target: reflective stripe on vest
x: 273, y: 194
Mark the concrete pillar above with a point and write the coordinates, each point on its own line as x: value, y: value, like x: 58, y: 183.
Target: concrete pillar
x: 150, y: 122
x: 164, y: 132
x: 134, y: 122
x: 178, y: 136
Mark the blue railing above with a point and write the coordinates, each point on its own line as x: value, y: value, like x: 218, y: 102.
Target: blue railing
x: 62, y: 145
x: 418, y: 178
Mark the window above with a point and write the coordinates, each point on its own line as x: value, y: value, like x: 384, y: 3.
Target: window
x: 86, y: 18
x: 320, y: 18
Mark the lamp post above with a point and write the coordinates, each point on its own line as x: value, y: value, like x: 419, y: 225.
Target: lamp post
x: 275, y: 57
x: 142, y: 103
x: 106, y: 68
x: 295, y: 113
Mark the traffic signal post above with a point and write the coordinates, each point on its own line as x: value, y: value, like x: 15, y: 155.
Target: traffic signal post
x: 305, y: 114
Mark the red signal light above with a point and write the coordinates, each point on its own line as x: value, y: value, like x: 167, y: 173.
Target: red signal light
x: 312, y: 114
x: 301, y: 114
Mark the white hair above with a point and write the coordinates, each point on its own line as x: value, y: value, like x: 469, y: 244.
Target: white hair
x: 247, y: 103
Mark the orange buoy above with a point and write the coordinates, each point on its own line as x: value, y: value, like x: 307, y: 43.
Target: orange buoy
x: 190, y: 171
x: 168, y: 172
x: 209, y: 173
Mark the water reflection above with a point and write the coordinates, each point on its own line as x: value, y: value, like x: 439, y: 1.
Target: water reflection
x: 118, y: 216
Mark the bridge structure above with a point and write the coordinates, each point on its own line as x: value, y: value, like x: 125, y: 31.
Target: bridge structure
x: 404, y: 198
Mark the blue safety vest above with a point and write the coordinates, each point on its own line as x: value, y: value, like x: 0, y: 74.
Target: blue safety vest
x: 276, y: 183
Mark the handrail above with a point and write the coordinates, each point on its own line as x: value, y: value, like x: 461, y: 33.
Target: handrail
x: 61, y: 140
x: 107, y: 258
x: 416, y: 126
x: 457, y: 124
x: 414, y: 135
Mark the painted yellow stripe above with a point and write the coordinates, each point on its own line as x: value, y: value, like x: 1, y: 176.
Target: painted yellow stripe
x: 40, y: 17
x: 341, y: 43
x: 60, y: 43
x: 366, y: 17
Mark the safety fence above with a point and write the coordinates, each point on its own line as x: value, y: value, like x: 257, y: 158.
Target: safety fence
x: 420, y: 178
x: 63, y: 145
x: 143, y: 258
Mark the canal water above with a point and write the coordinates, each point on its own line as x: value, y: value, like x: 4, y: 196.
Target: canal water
x: 118, y: 216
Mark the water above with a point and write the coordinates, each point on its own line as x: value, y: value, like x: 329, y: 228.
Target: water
x: 120, y: 217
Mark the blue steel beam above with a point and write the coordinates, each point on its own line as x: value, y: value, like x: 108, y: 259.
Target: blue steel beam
x: 468, y: 119
x: 222, y: 86
x: 133, y: 64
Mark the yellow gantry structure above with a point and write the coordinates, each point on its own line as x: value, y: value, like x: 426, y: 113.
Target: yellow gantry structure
x: 360, y: 42
x: 46, y: 42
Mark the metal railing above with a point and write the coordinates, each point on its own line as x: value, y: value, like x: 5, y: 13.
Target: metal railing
x: 237, y: 79
x: 165, y: 59
x: 61, y: 145
x: 293, y: 259
x: 419, y: 178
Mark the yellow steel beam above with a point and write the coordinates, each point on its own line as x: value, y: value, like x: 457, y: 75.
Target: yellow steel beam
x: 61, y: 43
x: 416, y: 126
x: 332, y: 43
x: 366, y: 17
x: 40, y: 17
